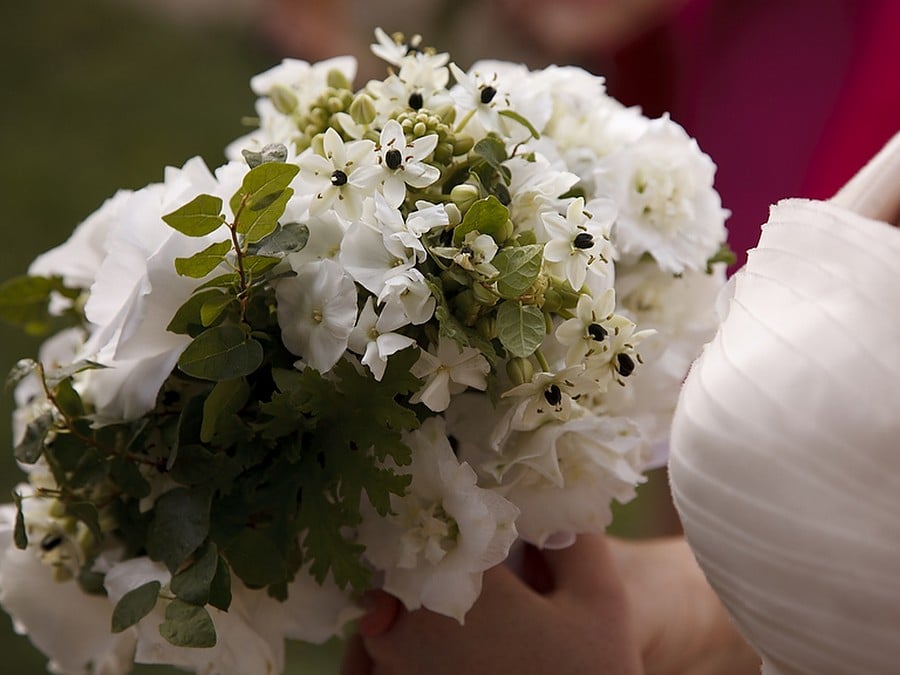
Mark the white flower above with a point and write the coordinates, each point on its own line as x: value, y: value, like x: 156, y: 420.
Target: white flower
x: 401, y: 163
x: 449, y: 370
x: 587, y: 332
x: 411, y: 293
x: 474, y: 254
x: 316, y: 312
x: 580, y: 241
x: 399, y: 53
x: 444, y: 532
x: 563, y: 475
x: 548, y: 396
x: 535, y: 188
x: 333, y: 179
x: 68, y: 625
x: 663, y: 185
x: 373, y: 336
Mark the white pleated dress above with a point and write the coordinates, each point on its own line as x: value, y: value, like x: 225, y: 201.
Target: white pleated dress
x: 785, y: 452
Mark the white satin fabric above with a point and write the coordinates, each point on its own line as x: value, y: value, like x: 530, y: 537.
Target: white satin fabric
x: 785, y: 451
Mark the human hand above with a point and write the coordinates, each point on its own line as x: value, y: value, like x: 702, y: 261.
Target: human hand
x: 580, y: 624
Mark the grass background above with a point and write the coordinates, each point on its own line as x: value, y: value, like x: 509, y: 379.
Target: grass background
x: 98, y: 97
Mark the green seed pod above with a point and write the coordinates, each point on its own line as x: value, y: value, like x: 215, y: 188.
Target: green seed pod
x: 519, y: 370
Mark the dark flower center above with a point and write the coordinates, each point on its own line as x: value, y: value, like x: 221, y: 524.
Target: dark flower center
x: 487, y: 94
x: 338, y: 178
x: 50, y: 542
x: 553, y: 395
x: 583, y: 240
x: 625, y: 364
x: 415, y: 100
x: 393, y: 159
x: 597, y: 332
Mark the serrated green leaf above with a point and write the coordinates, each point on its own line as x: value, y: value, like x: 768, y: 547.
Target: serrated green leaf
x: 125, y: 473
x: 188, y: 625
x: 256, y: 559
x: 221, y: 353
x: 487, y: 216
x: 193, y: 583
x: 521, y: 328
x: 327, y: 548
x: 134, y: 606
x: 31, y: 447
x: 20, y: 533
x: 225, y: 399
x: 203, y: 262
x: 513, y: 115
x: 187, y: 320
x: 519, y: 267
x: 180, y: 524
x: 197, y: 218
x: 24, y: 301
x: 220, y: 588
x: 287, y: 238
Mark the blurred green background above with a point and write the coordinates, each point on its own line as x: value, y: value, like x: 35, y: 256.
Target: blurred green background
x: 100, y: 96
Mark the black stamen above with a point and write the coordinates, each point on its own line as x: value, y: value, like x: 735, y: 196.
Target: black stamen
x: 50, y: 542
x: 415, y: 100
x: 338, y: 178
x: 597, y: 332
x: 625, y: 364
x: 487, y: 94
x: 393, y: 159
x: 583, y: 240
x: 553, y: 395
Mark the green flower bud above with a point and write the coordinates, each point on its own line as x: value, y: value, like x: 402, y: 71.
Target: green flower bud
x: 553, y: 300
x: 447, y: 113
x: 464, y: 195
x: 483, y: 295
x: 362, y: 110
x: 505, y: 232
x: 487, y: 327
x: 284, y: 100
x: 337, y: 79
x: 462, y: 144
x: 467, y: 307
x: 317, y: 143
x: 519, y: 370
x: 443, y: 153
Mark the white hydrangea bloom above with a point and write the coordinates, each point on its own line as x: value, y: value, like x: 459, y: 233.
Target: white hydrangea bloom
x: 668, y: 208
x: 445, y: 533
x: 317, y: 312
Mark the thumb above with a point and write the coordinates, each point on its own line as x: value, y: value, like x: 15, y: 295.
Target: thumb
x: 585, y: 567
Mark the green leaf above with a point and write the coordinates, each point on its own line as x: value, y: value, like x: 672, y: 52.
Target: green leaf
x: 193, y: 583
x: 492, y: 150
x: 67, y: 400
x: 87, y: 513
x: 258, y: 222
x: 203, y: 262
x: 220, y: 588
x: 55, y: 376
x: 221, y: 353
x: 258, y: 264
x: 180, y: 524
x: 20, y: 533
x: 199, y: 217
x: 287, y: 238
x: 327, y: 547
x: 513, y: 115
x: 519, y: 267
x: 521, y: 328
x: 261, y: 199
x: 135, y: 605
x: 188, y: 320
x: 31, y: 447
x: 213, y: 309
x: 196, y: 465
x: 24, y: 301
x: 125, y: 473
x: 453, y: 328
x: 487, y: 216
x: 188, y: 625
x: 91, y: 468
x: 225, y: 399
x: 256, y: 559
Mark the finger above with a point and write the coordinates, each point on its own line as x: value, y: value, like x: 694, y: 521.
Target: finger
x: 586, y: 566
x: 382, y: 611
x: 356, y: 660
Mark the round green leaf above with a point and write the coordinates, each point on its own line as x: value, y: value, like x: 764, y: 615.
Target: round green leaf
x: 521, y: 328
x: 188, y: 625
x: 221, y: 353
x: 134, y: 606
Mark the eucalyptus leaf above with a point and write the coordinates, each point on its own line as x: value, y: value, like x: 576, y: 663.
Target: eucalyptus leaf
x: 24, y: 301
x: 188, y: 625
x: 260, y: 220
x: 258, y: 264
x: 225, y: 399
x: 262, y: 186
x: 288, y: 238
x: 487, y: 216
x: 519, y: 267
x: 213, y: 308
x: 20, y: 533
x: 31, y: 447
x: 197, y: 218
x: 135, y: 605
x: 193, y: 583
x: 203, y: 262
x: 125, y: 473
x: 67, y: 400
x: 220, y: 588
x: 87, y: 513
x: 222, y: 353
x: 188, y: 319
x: 521, y: 328
x: 180, y: 524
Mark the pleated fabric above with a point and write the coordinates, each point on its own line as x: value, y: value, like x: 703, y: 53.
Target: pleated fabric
x: 785, y: 450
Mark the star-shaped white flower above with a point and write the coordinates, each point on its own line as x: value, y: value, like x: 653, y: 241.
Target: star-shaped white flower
x: 588, y: 332
x: 401, y: 163
x: 474, y: 254
x: 334, y: 178
x: 375, y: 339
x: 449, y: 370
x: 580, y: 241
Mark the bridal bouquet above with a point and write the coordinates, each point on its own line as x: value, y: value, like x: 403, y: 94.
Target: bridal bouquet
x: 399, y: 329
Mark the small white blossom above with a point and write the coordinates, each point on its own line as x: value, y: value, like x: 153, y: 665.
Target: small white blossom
x: 580, y: 242
x: 317, y: 312
x: 411, y: 293
x: 588, y: 331
x: 449, y: 369
x: 373, y: 336
x: 445, y: 532
x: 474, y: 254
x: 548, y: 396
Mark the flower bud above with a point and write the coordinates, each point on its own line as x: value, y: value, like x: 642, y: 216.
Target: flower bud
x: 467, y: 307
x: 519, y: 370
x: 284, y: 100
x: 483, y: 295
x: 462, y: 144
x: 447, y: 113
x: 337, y: 80
x: 464, y: 195
x: 487, y: 327
x: 362, y: 110
x: 453, y: 213
x: 553, y: 301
